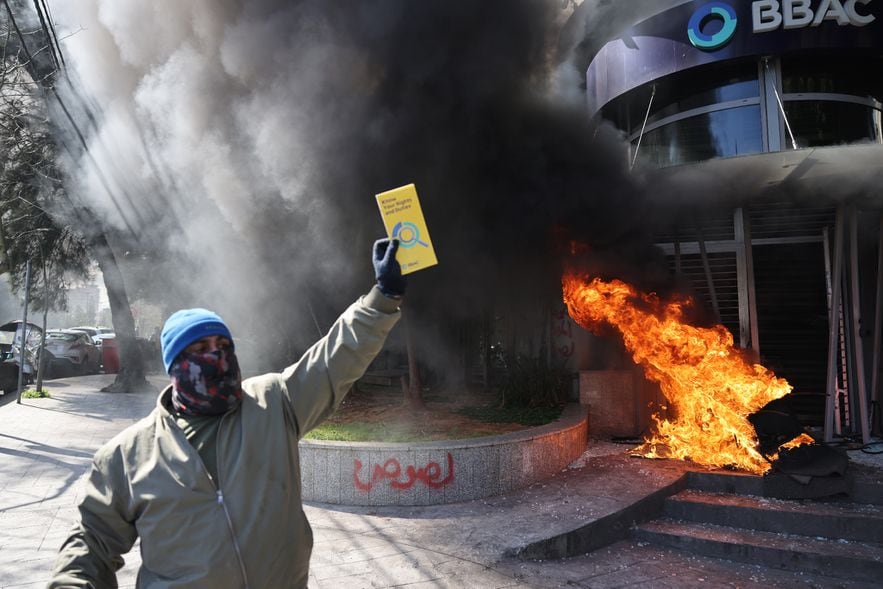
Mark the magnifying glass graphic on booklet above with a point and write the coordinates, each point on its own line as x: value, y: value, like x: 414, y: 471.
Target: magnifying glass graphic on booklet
x: 408, y: 234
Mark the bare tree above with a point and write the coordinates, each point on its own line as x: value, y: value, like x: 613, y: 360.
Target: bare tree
x: 29, y: 184
x: 40, y: 220
x: 412, y: 386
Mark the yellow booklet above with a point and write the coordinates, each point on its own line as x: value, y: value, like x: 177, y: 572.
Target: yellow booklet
x: 403, y: 219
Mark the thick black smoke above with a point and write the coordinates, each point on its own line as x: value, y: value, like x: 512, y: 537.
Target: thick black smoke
x: 248, y: 139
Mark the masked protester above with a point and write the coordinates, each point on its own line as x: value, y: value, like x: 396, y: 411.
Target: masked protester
x: 210, y: 480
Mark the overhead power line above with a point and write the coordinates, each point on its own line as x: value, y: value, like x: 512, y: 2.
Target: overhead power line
x: 74, y: 126
x: 54, y: 48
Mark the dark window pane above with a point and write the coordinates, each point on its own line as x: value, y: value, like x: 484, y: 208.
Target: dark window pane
x: 847, y: 74
x: 723, y: 133
x: 792, y: 312
x: 832, y: 123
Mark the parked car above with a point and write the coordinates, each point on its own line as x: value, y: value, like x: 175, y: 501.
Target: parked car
x: 103, y: 335
x: 92, y: 331
x: 71, y: 351
x: 10, y: 353
x: 8, y: 377
x: 8, y: 364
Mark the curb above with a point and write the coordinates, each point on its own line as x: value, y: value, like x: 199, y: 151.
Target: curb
x: 448, y: 471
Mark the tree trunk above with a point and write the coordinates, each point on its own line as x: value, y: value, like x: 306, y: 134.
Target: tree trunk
x: 131, y: 375
x: 413, y: 388
x: 41, y: 352
x: 5, y: 266
x: 41, y: 360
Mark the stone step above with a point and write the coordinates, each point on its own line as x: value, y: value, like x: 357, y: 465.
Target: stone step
x: 861, y: 485
x: 834, y: 520
x: 725, y: 482
x: 867, y: 486
x: 841, y: 559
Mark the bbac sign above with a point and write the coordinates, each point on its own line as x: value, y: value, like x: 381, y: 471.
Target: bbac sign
x: 714, y: 24
x: 769, y: 15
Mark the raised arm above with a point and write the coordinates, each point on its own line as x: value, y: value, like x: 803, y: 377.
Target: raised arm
x: 317, y: 383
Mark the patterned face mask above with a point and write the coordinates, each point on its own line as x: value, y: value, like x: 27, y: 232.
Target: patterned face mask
x: 205, y: 384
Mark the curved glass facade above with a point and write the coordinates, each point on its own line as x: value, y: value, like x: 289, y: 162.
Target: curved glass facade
x: 684, y: 92
x: 734, y: 109
x: 721, y: 133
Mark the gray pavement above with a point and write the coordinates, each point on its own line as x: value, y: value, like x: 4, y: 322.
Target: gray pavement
x: 46, y: 446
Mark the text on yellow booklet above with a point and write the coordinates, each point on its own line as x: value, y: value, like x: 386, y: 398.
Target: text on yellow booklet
x: 403, y: 219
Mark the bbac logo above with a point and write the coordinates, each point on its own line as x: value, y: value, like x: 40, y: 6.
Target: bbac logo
x: 702, y: 19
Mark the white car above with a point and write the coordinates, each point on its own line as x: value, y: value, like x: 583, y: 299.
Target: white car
x: 72, y: 350
x: 105, y: 334
x: 93, y: 333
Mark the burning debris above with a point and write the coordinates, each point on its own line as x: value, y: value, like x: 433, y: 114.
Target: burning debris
x: 711, y: 386
x: 783, y: 441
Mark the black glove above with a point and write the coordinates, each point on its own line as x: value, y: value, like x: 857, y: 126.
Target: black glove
x: 387, y: 269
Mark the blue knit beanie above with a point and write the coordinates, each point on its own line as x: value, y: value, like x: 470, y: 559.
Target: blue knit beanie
x: 187, y: 326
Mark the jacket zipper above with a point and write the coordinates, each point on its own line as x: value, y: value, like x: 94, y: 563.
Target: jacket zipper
x: 223, y: 504
x: 233, y: 535
x: 220, y: 499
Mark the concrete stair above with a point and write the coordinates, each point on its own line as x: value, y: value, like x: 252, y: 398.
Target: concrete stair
x: 836, y: 539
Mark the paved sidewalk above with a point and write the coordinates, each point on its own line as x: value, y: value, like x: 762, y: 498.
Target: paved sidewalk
x: 46, y: 446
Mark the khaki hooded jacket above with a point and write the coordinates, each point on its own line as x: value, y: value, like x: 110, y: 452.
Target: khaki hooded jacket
x: 245, y: 529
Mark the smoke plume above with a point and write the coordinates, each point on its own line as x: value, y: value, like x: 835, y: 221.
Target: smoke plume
x: 244, y: 142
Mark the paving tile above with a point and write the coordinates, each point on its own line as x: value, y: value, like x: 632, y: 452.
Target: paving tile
x: 46, y: 448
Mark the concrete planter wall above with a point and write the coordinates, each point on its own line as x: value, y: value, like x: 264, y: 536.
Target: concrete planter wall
x: 432, y: 473
x: 620, y: 402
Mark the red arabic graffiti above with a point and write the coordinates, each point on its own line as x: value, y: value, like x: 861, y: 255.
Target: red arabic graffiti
x: 563, y: 326
x: 430, y: 475
x: 566, y: 351
x: 562, y: 332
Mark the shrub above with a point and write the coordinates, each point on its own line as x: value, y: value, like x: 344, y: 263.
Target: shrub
x: 533, y: 382
x: 35, y: 394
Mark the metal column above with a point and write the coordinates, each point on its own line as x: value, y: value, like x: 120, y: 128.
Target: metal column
x: 877, y: 426
x: 749, y: 335
x: 861, y: 396
x: 833, y: 322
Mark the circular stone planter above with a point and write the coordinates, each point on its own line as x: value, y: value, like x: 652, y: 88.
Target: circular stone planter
x: 431, y: 473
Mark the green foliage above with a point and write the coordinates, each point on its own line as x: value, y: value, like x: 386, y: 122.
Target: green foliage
x: 531, y: 416
x: 35, y: 394
x: 532, y: 382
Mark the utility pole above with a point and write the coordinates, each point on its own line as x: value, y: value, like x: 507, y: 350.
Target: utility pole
x: 24, y: 333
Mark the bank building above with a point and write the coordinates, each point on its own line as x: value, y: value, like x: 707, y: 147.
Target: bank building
x: 762, y: 124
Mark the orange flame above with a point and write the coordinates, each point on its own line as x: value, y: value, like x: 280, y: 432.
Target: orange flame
x: 798, y: 441
x: 710, y: 385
